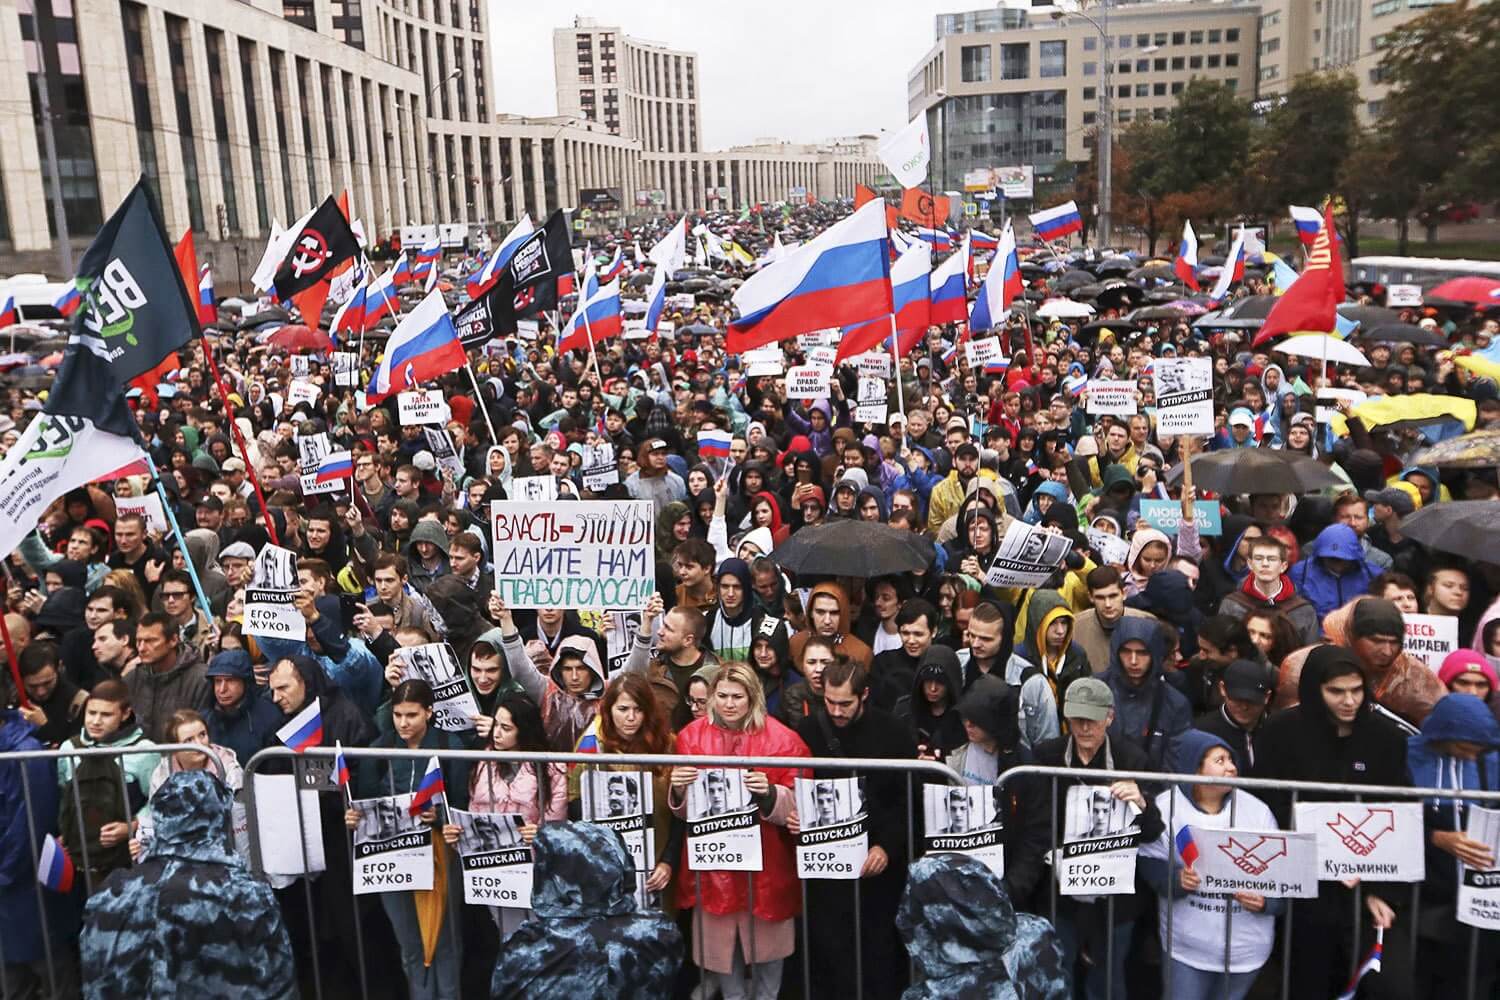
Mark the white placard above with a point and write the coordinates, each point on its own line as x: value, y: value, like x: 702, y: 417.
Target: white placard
x: 302, y: 391
x: 392, y: 848
x: 591, y: 554
x: 962, y: 819
x: 148, y: 507
x: 823, y: 357
x: 1479, y: 892
x: 1108, y: 397
x: 423, y: 406
x: 1403, y: 296
x: 1100, y: 834
x: 454, y: 706
x: 301, y: 366
x: 528, y: 329
x: 873, y: 406
x: 874, y: 365
x: 495, y: 860
x: 345, y: 368
x: 1184, y: 389
x: 1382, y: 841
x: 723, y: 830
x: 979, y: 352
x: 599, y: 467
x: 440, y: 443
x: 276, y: 827
x: 833, y: 840
x: 763, y: 361
x: 1275, y: 863
x: 624, y: 802
x: 808, y: 381
x: 1326, y: 407
x: 817, y: 338
x: 536, y: 489
x: 635, y: 329
x: 1430, y: 638
x: 1027, y: 556
x: 1112, y: 549
x: 269, y: 607
x: 311, y: 448
x: 308, y: 483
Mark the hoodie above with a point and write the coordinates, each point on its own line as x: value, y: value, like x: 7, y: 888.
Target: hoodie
x: 730, y: 635
x: 421, y: 575
x: 1318, y: 583
x: 943, y: 732
x: 565, y: 716
x: 846, y: 643
x: 1456, y: 717
x: 1044, y: 681
x: 1169, y: 596
x: 1151, y: 714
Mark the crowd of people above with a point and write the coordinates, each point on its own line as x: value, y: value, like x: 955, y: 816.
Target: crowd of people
x: 1273, y: 648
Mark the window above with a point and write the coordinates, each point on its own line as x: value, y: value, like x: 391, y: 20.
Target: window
x: 1090, y: 69
x: 1214, y: 36
x: 1159, y: 39
x: 1089, y: 117
x: 1232, y: 83
x: 1269, y: 46
x: 1385, y: 7
x: 1213, y: 61
x: 1373, y: 108
x: 1142, y: 41
x: 1160, y: 65
x: 1178, y: 62
x: 1122, y: 41
x: 1089, y: 94
x: 1195, y: 37
x: 974, y: 63
x: 1125, y: 114
x: 1179, y: 38
x: 1274, y: 18
x: 1141, y: 65
x: 1231, y: 59
x: 1143, y: 90
x: 1124, y: 91
x: 1015, y: 61
x: 1161, y: 114
x: 1177, y: 87
x: 1158, y: 90
x: 133, y: 18
x: 1090, y: 43
x: 177, y: 58
x: 1231, y: 35
x: 1195, y: 62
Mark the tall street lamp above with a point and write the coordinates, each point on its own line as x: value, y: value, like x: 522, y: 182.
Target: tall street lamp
x: 1105, y: 141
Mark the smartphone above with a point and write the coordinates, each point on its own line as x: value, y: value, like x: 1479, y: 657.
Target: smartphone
x: 348, y: 608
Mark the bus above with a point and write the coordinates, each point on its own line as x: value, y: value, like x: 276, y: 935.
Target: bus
x: 1428, y: 272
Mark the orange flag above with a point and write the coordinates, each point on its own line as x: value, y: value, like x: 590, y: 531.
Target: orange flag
x: 923, y: 208
x: 862, y: 196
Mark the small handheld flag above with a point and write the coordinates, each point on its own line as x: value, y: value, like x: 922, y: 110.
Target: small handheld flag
x: 55, y: 869
x: 429, y: 790
x: 1187, y: 847
x: 1370, y: 964
x: 305, y: 730
x: 335, y: 467
x: 340, y: 767
x: 713, y: 444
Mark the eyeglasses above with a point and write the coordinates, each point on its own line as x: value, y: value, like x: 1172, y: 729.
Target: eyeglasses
x: 174, y: 595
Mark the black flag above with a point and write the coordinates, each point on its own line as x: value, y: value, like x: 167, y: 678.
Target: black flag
x: 528, y: 282
x: 135, y: 310
x: 323, y: 243
x: 473, y: 322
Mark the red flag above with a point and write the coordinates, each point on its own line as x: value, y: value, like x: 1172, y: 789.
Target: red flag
x: 187, y: 269
x: 926, y: 209
x: 862, y: 195
x: 1311, y: 303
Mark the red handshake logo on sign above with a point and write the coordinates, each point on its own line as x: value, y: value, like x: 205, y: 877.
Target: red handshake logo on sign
x: 1362, y: 838
x: 1257, y: 857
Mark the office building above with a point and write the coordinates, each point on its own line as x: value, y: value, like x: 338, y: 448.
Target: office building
x: 637, y: 89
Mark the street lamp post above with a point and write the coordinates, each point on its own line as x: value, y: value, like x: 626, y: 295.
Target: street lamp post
x: 1105, y: 139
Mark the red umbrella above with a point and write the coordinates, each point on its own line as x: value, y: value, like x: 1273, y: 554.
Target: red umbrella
x: 299, y: 338
x: 1475, y: 291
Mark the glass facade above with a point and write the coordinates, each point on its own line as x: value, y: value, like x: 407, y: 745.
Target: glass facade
x: 132, y: 17
x: 49, y: 39
x: 177, y: 56
x: 278, y: 100
x: 974, y: 63
x: 213, y: 48
x: 252, y: 122
x: 996, y: 130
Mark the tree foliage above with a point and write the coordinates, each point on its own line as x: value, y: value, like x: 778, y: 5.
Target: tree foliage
x: 1297, y: 152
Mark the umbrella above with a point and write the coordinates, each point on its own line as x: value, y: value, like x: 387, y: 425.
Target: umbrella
x: 1160, y: 272
x: 299, y: 338
x: 1479, y: 450
x: 1114, y: 265
x: 14, y: 360
x: 1398, y: 333
x: 1250, y: 307
x: 1064, y: 309
x: 1073, y: 279
x: 697, y: 329
x: 274, y: 314
x: 1258, y: 470
x: 1321, y: 345
x: 1475, y: 291
x: 1469, y: 528
x: 854, y: 548
x: 1368, y: 315
x: 1082, y: 292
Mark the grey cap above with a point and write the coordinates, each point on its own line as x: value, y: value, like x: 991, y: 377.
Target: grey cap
x: 237, y: 550
x: 1397, y: 500
x: 1088, y: 698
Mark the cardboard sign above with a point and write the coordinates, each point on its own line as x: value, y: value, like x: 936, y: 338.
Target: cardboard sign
x: 301, y: 366
x: 345, y: 368
x: 1112, y: 549
x: 823, y: 357
x: 1403, y: 296
x: 1428, y: 637
x: 962, y: 819
x: 276, y: 826
x: 817, y: 338
x: 1027, y: 556
x: 148, y: 507
x: 302, y: 391
x: 454, y: 707
x: 1382, y: 841
x: 1479, y: 892
x: 496, y: 861
x: 723, y: 828
x: 269, y: 600
x: 440, y: 443
x: 624, y: 802
x: 528, y: 329
x: 763, y: 361
x: 808, y: 382
x: 423, y: 406
x: 978, y: 352
x: 600, y: 470
x: 1100, y: 835
x: 536, y: 489
x: 1276, y: 863
x: 392, y: 848
x: 873, y: 405
x: 832, y: 842
x: 590, y: 554
x: 1108, y: 397
x: 1184, y: 389
x: 874, y: 364
x: 1166, y: 516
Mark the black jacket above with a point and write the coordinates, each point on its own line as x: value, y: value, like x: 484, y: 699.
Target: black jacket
x: 941, y: 733
x: 891, y: 676
x: 1244, y: 744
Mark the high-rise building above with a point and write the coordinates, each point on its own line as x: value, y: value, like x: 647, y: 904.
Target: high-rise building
x: 636, y: 89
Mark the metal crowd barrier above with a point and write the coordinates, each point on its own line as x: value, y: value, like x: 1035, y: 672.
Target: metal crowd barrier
x: 54, y: 960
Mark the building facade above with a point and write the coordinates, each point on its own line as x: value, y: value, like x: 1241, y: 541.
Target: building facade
x: 637, y: 89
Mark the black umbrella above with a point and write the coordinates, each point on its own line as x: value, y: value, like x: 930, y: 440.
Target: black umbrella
x: 1113, y: 265
x: 1082, y: 292
x: 854, y: 548
x: 1398, y: 333
x: 1072, y: 279
x: 1368, y: 315
x: 1258, y: 470
x: 1161, y: 272
x: 1468, y: 528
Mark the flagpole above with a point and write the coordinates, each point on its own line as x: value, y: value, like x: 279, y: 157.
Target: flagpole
x: 166, y: 505
x: 239, y: 438
x: 896, y: 360
x: 479, y: 399
x: 588, y: 331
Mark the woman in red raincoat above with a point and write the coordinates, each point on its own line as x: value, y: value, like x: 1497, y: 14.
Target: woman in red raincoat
x: 727, y: 935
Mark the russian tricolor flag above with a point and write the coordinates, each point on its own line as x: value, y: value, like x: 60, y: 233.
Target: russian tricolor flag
x: 1056, y: 222
x: 997, y: 366
x: 1308, y: 221
x: 68, y: 302
x: 335, y: 467
x: 656, y: 298
x: 909, y: 290
x: 8, y: 314
x: 713, y: 444
x: 839, y: 278
x: 597, y: 318
x: 381, y: 299
x: 1234, y: 268
x: 948, y: 302
x: 1075, y: 384
x: 983, y: 241
x: 207, y: 312
x: 350, y: 317
x: 941, y: 239
x: 401, y: 273
x: 1187, y: 847
x: 429, y: 790
x: 481, y: 280
x: 340, y: 767
x: 1370, y: 964
x: 614, y: 268
x: 1001, y: 287
x: 950, y: 355
x: 305, y: 730
x: 55, y: 869
x: 1185, y: 266
x: 423, y: 346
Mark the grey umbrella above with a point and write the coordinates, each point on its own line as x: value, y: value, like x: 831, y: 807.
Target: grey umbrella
x: 854, y: 548
x: 1234, y: 471
x: 1468, y: 528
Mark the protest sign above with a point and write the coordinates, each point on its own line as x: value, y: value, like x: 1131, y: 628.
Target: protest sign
x: 1275, y: 863
x: 1430, y: 638
x: 311, y: 450
x: 528, y: 329
x: 599, y: 469
x: 623, y: 801
x: 277, y: 824
x: 817, y: 338
x: 1479, y: 891
x: 1111, y: 549
x: 440, y: 443
x: 763, y: 361
x: 823, y: 357
x: 1403, y: 296
x: 635, y: 329
x: 874, y: 364
x: 496, y: 861
x: 301, y: 366
x: 978, y: 352
x: 1368, y: 840
x: 269, y: 600
x: 1329, y: 398
x: 591, y: 554
x: 1184, y: 389
x: 619, y: 639
x: 148, y: 507
x: 392, y: 848
x: 872, y: 406
x: 423, y: 406
x: 1166, y: 516
x: 1108, y: 397
x: 807, y: 382
x: 345, y: 368
x: 832, y: 841
x: 534, y: 488
x: 1027, y: 556
x: 454, y: 706
x: 302, y: 391
x: 962, y: 819
x: 723, y: 831
x: 1100, y: 834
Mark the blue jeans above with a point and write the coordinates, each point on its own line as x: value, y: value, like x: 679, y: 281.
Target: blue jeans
x: 1085, y: 929
x: 1189, y: 983
x: 438, y: 981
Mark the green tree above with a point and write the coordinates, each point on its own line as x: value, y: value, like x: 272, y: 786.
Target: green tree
x: 1208, y: 135
x: 1149, y: 176
x: 1297, y: 154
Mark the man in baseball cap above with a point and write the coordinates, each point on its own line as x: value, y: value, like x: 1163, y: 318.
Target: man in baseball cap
x: 1246, y: 689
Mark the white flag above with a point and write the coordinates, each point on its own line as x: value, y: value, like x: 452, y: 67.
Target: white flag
x: 906, y: 153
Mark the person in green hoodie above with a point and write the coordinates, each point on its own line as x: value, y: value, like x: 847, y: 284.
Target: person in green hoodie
x: 491, y: 682
x: 1044, y: 664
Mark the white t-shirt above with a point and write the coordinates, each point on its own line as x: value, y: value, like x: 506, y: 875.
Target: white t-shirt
x: 885, y: 640
x: 1198, y: 917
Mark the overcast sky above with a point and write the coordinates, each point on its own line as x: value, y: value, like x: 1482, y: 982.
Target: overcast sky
x: 802, y: 70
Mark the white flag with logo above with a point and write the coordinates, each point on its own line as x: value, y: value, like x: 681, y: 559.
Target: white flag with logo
x: 907, y: 152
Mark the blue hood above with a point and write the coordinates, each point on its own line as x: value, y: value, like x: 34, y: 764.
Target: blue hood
x: 1455, y: 717
x: 1337, y: 541
x: 1170, y: 596
x: 1057, y: 491
x: 1145, y: 630
x: 1187, y: 752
